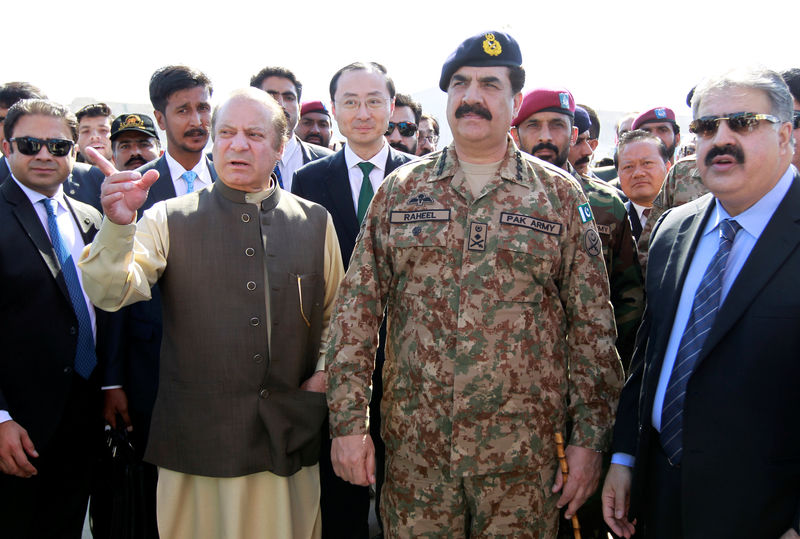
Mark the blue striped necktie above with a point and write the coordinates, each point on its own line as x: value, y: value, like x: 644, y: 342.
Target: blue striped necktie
x: 277, y: 172
x: 704, y: 311
x: 85, y: 357
x: 190, y: 176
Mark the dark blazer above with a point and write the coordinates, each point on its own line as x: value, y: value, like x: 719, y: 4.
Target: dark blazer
x: 312, y: 152
x: 4, y: 170
x: 84, y: 184
x: 633, y: 217
x: 741, y: 461
x: 137, y: 369
x: 39, y: 337
x: 327, y: 182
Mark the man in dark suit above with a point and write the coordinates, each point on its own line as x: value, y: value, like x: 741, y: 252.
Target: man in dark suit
x: 705, y: 442
x: 50, y: 422
x: 362, y: 95
x: 180, y: 96
x: 284, y: 87
x: 10, y: 93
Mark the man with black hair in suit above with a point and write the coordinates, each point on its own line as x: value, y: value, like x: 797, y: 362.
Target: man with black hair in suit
x: 10, y: 93
x: 54, y: 341
x: 363, y: 98
x: 284, y: 88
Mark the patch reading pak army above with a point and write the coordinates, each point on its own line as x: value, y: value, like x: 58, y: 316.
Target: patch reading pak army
x: 604, y: 229
x: 420, y: 200
x: 533, y: 223
x: 491, y: 46
x: 401, y: 217
x: 477, y: 236
x: 586, y: 213
x: 591, y: 242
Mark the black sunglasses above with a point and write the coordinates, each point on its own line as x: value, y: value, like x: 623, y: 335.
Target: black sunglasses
x: 796, y: 119
x: 58, y: 147
x: 741, y: 122
x: 407, y: 129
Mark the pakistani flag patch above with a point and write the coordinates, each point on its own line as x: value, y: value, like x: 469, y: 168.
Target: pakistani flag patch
x: 586, y: 213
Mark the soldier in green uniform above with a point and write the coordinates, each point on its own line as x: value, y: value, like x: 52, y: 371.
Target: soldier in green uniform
x: 546, y: 126
x: 488, y: 265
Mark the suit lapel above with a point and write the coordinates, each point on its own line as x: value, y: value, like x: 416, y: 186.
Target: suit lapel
x: 29, y: 220
x: 163, y: 188
x: 338, y: 185
x: 393, y: 160
x: 304, y: 150
x: 211, y: 170
x: 84, y: 221
x: 778, y: 240
x: 633, y: 217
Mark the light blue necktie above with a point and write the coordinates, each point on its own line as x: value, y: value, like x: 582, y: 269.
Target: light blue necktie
x: 190, y: 176
x: 85, y: 356
x: 704, y: 311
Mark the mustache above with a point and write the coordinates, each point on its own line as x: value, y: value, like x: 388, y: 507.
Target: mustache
x: 196, y: 132
x: 136, y: 159
x: 466, y: 108
x: 582, y: 161
x: 400, y: 146
x: 316, y: 139
x: 546, y: 146
x: 717, y: 151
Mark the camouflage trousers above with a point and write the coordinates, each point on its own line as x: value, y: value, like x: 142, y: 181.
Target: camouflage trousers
x: 429, y: 503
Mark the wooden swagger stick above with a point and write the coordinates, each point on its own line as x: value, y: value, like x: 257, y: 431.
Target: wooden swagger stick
x: 562, y: 460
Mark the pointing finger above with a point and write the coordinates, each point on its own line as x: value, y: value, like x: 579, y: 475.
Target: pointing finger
x: 100, y: 162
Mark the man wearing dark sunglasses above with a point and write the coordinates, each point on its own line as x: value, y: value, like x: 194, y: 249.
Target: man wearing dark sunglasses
x: 404, y: 123
x: 10, y: 93
x: 54, y: 340
x: 703, y: 442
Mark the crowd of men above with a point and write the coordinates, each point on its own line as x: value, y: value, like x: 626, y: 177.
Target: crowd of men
x: 289, y: 325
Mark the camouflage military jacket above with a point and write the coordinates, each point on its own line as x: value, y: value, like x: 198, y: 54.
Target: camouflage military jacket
x: 622, y: 261
x: 497, y: 311
x: 682, y: 185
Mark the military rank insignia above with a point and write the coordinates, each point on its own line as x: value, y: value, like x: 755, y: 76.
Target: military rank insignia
x: 585, y: 212
x: 491, y: 46
x: 477, y: 236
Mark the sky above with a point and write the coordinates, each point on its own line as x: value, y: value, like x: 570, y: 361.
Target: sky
x: 614, y: 56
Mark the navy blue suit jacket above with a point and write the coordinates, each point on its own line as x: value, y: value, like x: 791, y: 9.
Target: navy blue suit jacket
x: 741, y: 460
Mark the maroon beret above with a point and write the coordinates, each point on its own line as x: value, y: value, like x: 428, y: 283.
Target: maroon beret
x: 546, y: 100
x: 313, y: 106
x: 658, y: 114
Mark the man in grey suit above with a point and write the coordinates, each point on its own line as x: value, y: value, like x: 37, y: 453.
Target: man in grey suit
x: 705, y: 440
x: 362, y: 95
x: 284, y: 87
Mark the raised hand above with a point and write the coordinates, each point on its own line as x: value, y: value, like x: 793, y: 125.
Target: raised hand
x: 123, y: 192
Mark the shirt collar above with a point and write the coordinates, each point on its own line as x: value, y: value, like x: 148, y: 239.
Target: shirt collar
x: 35, y: 196
x: 379, y: 159
x: 755, y: 218
x: 176, y: 170
x: 290, y: 148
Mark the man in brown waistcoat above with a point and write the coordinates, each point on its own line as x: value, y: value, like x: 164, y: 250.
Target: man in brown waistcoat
x: 236, y: 423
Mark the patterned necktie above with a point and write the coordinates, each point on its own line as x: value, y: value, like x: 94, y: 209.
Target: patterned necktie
x: 704, y: 311
x: 190, y: 176
x: 277, y: 172
x: 365, y: 195
x: 85, y: 357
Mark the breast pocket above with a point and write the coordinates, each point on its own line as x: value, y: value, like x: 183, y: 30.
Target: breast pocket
x: 307, y: 295
x: 523, y: 266
x: 421, y: 256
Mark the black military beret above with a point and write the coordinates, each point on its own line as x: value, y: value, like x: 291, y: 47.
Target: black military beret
x: 483, y: 50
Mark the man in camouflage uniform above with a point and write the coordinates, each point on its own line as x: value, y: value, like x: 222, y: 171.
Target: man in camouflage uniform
x: 488, y: 266
x: 683, y: 184
x: 546, y: 127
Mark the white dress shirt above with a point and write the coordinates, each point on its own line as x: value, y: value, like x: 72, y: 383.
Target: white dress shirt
x: 291, y: 160
x: 176, y: 170
x: 357, y: 176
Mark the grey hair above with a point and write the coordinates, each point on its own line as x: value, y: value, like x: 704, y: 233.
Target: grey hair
x: 754, y: 78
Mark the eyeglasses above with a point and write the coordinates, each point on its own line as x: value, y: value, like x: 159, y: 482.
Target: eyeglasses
x: 430, y: 137
x: 58, y: 147
x: 354, y: 104
x: 407, y: 129
x: 740, y: 122
x: 796, y: 119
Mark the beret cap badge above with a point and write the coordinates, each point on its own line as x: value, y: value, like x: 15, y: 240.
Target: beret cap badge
x: 491, y: 46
